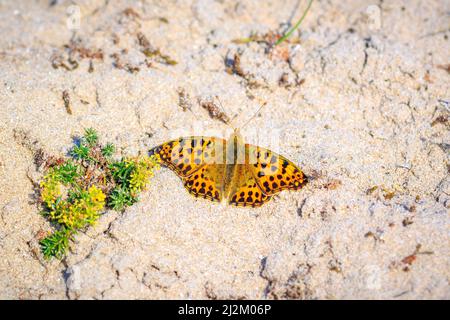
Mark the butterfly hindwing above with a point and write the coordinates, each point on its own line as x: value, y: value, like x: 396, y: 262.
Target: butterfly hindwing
x: 273, y: 172
x: 207, y: 182
x: 188, y: 154
x: 246, y: 191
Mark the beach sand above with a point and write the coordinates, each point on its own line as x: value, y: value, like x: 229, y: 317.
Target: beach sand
x: 358, y: 98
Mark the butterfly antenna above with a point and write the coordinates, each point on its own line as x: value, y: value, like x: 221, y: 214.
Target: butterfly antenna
x: 255, y: 114
x: 193, y: 113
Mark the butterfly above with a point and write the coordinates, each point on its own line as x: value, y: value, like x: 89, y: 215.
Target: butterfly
x: 216, y: 169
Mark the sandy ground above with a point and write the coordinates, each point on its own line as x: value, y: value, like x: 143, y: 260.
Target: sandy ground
x: 362, y: 106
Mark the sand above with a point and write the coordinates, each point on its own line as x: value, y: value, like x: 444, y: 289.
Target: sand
x: 361, y: 105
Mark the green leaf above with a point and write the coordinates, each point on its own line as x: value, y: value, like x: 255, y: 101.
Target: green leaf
x: 91, y: 136
x: 56, y: 244
x: 68, y: 172
x: 121, y: 171
x: 120, y: 198
x: 108, y: 150
x: 288, y: 34
x: 81, y: 152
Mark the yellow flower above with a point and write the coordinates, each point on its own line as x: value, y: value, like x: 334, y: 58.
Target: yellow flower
x: 97, y: 196
x: 50, y: 189
x: 144, y: 170
x: 82, y: 212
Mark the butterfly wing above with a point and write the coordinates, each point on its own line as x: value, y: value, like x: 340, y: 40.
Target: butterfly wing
x: 273, y: 172
x: 207, y: 182
x: 245, y: 191
x: 198, y: 161
x: 188, y: 154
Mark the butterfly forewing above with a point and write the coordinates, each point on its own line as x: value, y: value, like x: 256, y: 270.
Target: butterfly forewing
x: 273, y: 173
x: 187, y: 155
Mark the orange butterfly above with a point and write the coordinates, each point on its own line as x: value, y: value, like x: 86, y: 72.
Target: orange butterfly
x: 217, y: 169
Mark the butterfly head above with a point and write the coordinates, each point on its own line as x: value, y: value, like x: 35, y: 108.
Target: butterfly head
x: 236, y: 136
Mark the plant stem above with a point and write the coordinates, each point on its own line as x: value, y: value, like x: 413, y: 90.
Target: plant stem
x: 288, y: 34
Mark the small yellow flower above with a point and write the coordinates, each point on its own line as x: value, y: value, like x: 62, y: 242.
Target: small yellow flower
x: 144, y: 170
x: 97, y: 195
x: 50, y: 189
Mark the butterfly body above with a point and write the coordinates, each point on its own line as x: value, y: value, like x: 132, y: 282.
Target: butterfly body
x: 229, y: 170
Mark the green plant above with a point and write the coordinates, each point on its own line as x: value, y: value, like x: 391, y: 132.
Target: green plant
x: 81, y: 152
x: 68, y: 172
x: 91, y: 137
x: 108, y: 150
x: 56, y: 244
x: 120, y: 198
x: 295, y: 27
x: 74, y: 192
